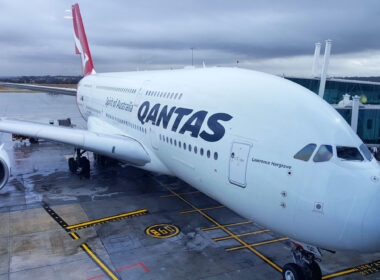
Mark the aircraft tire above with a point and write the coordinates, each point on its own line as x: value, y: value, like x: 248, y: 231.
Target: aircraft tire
x: 73, y: 166
x: 291, y: 271
x: 84, y: 164
x: 316, y: 271
x: 33, y: 140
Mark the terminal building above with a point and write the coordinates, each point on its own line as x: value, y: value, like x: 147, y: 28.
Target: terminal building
x: 357, y: 101
x: 368, y: 122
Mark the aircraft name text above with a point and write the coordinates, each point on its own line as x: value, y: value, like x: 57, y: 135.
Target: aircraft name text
x: 160, y: 115
x: 271, y: 163
x: 116, y: 103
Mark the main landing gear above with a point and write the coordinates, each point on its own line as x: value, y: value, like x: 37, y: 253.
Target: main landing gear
x: 80, y: 164
x: 305, y: 266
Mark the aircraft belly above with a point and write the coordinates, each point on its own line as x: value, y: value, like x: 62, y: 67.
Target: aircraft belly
x: 207, y: 175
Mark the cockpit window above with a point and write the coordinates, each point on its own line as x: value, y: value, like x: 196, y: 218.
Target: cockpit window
x: 366, y: 152
x: 348, y: 153
x: 324, y: 153
x: 306, y: 152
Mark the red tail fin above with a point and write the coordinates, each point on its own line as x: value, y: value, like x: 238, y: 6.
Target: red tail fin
x: 81, y: 45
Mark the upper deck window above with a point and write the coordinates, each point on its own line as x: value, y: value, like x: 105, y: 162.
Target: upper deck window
x: 306, y: 152
x: 348, y: 153
x: 325, y: 152
x: 366, y: 152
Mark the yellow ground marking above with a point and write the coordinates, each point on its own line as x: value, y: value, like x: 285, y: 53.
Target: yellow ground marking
x: 96, y: 259
x: 143, y: 211
x: 162, y: 231
x: 74, y: 235
x: 257, y: 244
x: 203, y: 209
x: 240, y: 235
x: 226, y: 230
x: 245, y: 245
x: 171, y: 195
x: 340, y: 273
x: 229, y: 225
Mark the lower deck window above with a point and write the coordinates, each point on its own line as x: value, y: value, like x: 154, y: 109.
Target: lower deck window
x: 187, y: 146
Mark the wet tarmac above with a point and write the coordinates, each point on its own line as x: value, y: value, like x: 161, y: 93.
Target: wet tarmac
x: 107, y: 238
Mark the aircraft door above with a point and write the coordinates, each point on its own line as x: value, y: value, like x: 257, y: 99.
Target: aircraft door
x: 238, y: 163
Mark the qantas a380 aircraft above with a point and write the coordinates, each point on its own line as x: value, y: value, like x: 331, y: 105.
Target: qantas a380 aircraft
x: 265, y: 147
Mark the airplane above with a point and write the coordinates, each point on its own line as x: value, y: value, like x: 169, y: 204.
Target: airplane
x: 265, y: 147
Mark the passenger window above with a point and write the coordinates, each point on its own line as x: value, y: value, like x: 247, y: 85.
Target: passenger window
x: 324, y: 153
x: 306, y: 152
x: 366, y: 152
x: 348, y: 153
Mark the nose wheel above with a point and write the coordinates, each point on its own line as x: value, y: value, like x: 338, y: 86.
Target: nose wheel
x: 305, y: 266
x: 291, y: 271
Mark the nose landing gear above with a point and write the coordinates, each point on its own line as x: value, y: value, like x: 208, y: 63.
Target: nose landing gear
x: 79, y: 164
x: 305, y: 266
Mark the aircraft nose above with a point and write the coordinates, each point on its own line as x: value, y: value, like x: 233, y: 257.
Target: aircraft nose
x: 371, y: 226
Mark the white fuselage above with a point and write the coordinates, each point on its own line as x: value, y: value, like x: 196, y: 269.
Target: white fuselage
x: 244, y: 127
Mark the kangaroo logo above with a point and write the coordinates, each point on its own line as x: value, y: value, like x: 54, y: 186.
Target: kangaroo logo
x: 83, y: 55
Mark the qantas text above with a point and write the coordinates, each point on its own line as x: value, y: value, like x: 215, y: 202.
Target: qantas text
x: 192, y: 121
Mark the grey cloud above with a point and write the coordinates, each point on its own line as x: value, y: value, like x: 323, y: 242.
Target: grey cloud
x: 125, y: 35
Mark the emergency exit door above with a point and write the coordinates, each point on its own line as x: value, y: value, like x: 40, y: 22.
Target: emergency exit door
x: 238, y: 163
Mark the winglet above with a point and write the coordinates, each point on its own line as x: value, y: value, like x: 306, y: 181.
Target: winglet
x: 81, y: 44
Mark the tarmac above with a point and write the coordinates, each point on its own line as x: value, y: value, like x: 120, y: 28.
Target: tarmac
x: 125, y: 223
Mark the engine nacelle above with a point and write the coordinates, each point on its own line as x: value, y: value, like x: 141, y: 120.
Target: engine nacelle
x: 5, y: 167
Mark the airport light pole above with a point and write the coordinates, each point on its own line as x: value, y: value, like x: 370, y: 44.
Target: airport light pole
x: 325, y: 66
x: 192, y: 56
x: 317, y: 53
x: 355, y: 113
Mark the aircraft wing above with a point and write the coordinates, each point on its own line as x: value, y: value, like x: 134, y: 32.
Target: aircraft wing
x: 115, y: 146
x: 56, y: 90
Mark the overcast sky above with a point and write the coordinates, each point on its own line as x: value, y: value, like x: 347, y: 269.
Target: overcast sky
x: 271, y: 36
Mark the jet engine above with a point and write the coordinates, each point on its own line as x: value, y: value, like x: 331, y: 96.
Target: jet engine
x: 5, y: 167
